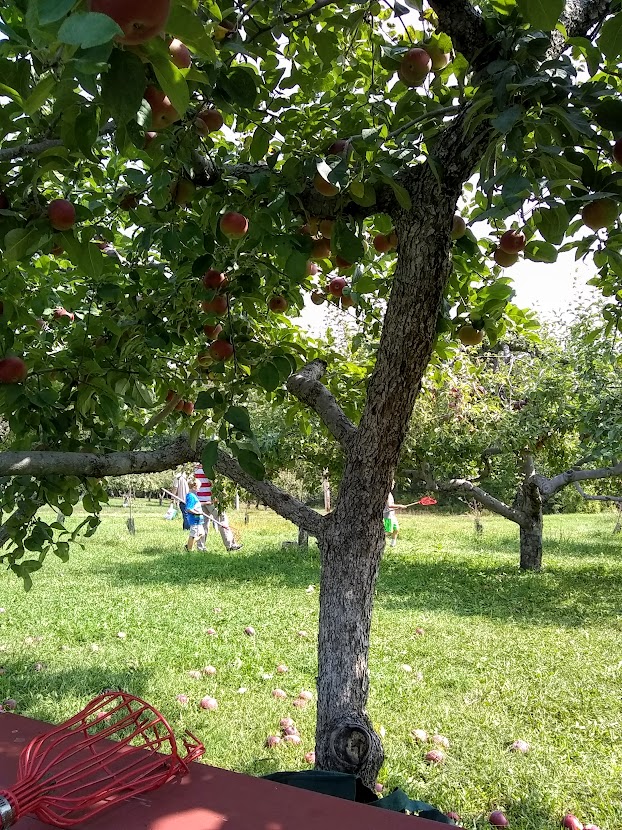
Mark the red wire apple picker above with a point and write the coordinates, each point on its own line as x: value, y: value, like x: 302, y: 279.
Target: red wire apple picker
x: 117, y: 747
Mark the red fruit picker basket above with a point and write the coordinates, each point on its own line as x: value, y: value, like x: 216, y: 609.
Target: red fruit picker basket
x: 117, y: 747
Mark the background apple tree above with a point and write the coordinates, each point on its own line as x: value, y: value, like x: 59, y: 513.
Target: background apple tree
x: 178, y: 177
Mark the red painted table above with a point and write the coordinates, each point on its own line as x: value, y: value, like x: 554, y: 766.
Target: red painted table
x: 213, y: 799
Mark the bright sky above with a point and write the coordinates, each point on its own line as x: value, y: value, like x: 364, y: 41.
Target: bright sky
x: 553, y: 289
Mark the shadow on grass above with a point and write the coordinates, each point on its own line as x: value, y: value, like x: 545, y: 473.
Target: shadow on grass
x: 567, y: 595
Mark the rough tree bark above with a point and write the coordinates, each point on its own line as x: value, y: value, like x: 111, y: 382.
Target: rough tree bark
x: 529, y: 502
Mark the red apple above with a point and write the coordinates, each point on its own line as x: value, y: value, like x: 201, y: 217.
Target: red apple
x: 419, y: 631
x: 212, y: 119
x: 213, y: 279
x: 221, y: 350
x: 249, y: 631
x: 170, y: 395
x: 60, y: 312
x: 415, y: 67
x: 182, y: 192
x: 287, y: 723
x: 140, y: 20
x: 440, y: 740
x: 336, y: 286
x: 504, y: 259
x: 179, y: 406
x: 453, y: 816
x: 378, y: 787
x: 512, y: 242
x: 292, y: 739
x: 278, y: 303
x: 62, y: 214
x: 183, y: 699
x: 209, y: 703
x: 497, y: 819
x: 617, y: 151
x: 439, y: 58
x: 212, y: 632
x: 382, y: 243
x: 282, y: 669
x: 434, y: 756
x: 311, y: 269
x: 209, y: 671
x: 272, y: 741
x: 299, y: 703
x: 234, y: 225
x: 342, y: 263
x: 180, y: 54
x: 326, y: 227
x: 188, y: 407
x: 347, y: 301
x: 218, y: 305
x: 339, y: 147
x: 279, y: 693
x: 163, y: 113
x: 320, y: 248
x: 324, y: 187
x: 458, y: 227
x: 12, y: 370
x: 571, y: 822
x: 519, y: 746
x: 310, y: 757
x: 212, y: 331
x: 318, y: 297
x: 304, y: 695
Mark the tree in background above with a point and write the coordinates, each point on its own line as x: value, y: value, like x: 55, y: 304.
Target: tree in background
x: 509, y: 419
x: 168, y: 204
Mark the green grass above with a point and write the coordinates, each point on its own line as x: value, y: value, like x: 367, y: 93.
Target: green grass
x: 504, y: 655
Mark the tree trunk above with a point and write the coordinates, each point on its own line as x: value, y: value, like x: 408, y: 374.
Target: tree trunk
x: 345, y: 740
x: 531, y: 545
x: 529, y: 502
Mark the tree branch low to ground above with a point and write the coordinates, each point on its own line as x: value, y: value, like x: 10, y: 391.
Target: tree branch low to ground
x: 92, y: 465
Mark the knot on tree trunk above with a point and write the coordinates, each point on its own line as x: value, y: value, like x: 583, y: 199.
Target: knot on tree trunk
x: 353, y: 747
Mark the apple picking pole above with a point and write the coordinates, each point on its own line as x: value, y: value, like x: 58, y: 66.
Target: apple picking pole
x: 211, y: 518
x: 326, y: 488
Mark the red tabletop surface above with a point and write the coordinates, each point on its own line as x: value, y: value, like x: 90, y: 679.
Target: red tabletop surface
x: 212, y: 799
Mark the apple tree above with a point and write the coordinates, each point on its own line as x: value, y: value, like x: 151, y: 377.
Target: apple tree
x: 178, y: 177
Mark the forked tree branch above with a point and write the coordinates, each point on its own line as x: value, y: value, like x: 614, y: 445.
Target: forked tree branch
x: 549, y: 486
x: 578, y: 18
x: 305, y: 385
x: 464, y: 25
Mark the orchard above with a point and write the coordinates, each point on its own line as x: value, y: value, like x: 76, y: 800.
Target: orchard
x: 387, y: 160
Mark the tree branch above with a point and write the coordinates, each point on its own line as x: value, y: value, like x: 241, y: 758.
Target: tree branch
x: 484, y: 498
x: 549, y: 486
x: 92, y: 465
x: 305, y: 385
x: 578, y: 18
x: 587, y: 497
x: 280, y: 501
x: 25, y: 150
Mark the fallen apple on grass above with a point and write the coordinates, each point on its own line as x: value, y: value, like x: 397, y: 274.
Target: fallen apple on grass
x: 520, y: 746
x: 272, y: 741
x: 292, y: 739
x: 279, y: 694
x: 249, y: 631
x: 498, y: 819
x: 209, y: 703
x: 309, y: 757
x: 434, y: 756
x: 183, y: 699
x: 419, y: 735
x: 571, y: 822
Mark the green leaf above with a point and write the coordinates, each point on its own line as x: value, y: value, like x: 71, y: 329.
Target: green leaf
x: 209, y: 456
x: 52, y: 10
x: 127, y: 73
x: 40, y: 94
x: 541, y: 14
x: 87, y: 29
x: 539, y: 251
x: 251, y: 464
x: 608, y: 114
x: 553, y: 224
x: 84, y: 255
x: 171, y: 79
x: 268, y: 376
x: 241, y: 86
x: 87, y: 130
x: 363, y: 193
x: 260, y: 142
x: 346, y: 243
x: 182, y: 23
x: 11, y: 93
x: 209, y: 399
x: 401, y: 194
x: 21, y: 243
x: 610, y: 40
x: 238, y: 417
x: 507, y: 119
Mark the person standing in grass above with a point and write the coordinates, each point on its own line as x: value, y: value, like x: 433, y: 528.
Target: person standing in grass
x: 180, y: 489
x: 212, y: 514
x: 389, y: 516
x: 194, y: 514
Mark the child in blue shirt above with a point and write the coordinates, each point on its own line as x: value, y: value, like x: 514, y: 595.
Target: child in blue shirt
x: 194, y: 510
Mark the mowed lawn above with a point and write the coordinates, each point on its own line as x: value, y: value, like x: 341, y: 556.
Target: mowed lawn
x: 504, y: 655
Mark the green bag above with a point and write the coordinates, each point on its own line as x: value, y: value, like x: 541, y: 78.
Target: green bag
x: 351, y: 788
